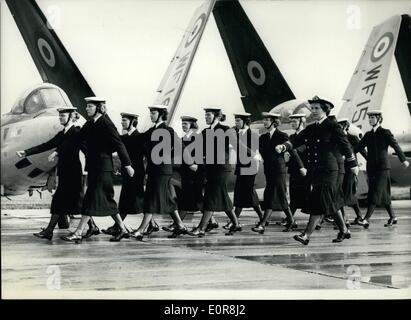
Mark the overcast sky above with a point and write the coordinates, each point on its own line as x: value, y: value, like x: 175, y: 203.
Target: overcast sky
x: 123, y: 48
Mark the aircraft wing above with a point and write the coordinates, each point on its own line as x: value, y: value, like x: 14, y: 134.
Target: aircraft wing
x: 261, y: 83
x: 50, y: 56
x: 366, y: 88
x: 173, y: 81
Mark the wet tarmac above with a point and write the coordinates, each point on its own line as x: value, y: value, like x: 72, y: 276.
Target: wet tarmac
x: 246, y: 265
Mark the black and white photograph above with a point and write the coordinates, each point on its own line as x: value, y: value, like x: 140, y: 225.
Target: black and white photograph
x: 205, y: 150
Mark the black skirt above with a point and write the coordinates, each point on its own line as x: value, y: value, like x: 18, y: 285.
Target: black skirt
x: 321, y: 199
x: 99, y: 198
x: 339, y: 193
x: 132, y: 195
x: 350, y: 188
x: 191, y: 196
x: 215, y: 193
x: 299, y: 189
x: 69, y: 193
x: 275, y: 192
x: 245, y: 195
x: 159, y: 196
x: 379, y: 188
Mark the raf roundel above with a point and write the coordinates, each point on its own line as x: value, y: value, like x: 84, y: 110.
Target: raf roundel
x: 199, y: 24
x: 257, y: 77
x: 46, y: 52
x: 382, y: 46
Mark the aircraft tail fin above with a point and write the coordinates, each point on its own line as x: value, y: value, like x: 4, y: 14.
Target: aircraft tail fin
x: 49, y: 54
x: 172, y: 84
x: 261, y: 83
x: 366, y: 88
x: 403, y: 55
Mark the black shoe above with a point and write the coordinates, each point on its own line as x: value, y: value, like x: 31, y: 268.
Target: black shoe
x: 91, y: 232
x: 211, y: 226
x: 136, y: 235
x: 120, y: 236
x: 318, y: 227
x: 177, y: 232
x: 356, y: 220
x: 290, y: 226
x: 112, y: 231
x: 44, y: 235
x: 391, y: 222
x: 341, y: 236
x: 234, y: 229
x: 301, y: 239
x: 169, y: 228
x: 151, y: 228
x: 260, y: 229
x: 195, y: 232
x: 72, y: 238
x: 364, y: 223
x: 228, y: 226
x: 329, y: 219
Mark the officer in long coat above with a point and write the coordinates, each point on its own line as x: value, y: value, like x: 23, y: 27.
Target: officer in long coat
x: 67, y: 198
x: 101, y: 139
x: 273, y: 144
x: 217, y: 168
x: 350, y: 180
x: 322, y: 139
x: 159, y: 195
x: 377, y: 141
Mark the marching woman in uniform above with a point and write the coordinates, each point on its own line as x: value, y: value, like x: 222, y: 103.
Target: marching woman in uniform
x: 67, y: 198
x: 322, y: 139
x: 273, y: 144
x: 217, y: 168
x: 245, y: 195
x: 377, y: 141
x: 101, y: 139
x: 350, y: 180
x: 299, y: 186
x: 159, y: 196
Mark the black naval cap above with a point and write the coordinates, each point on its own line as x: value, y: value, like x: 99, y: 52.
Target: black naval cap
x: 158, y: 107
x: 322, y: 102
x: 188, y: 118
x: 129, y: 115
x: 374, y: 113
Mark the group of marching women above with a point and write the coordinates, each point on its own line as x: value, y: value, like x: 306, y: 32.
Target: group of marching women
x: 322, y: 169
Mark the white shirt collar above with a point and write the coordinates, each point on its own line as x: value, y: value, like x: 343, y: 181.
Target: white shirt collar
x: 375, y: 127
x: 322, y: 119
x: 188, y: 133
x: 214, y: 124
x: 158, y: 123
x: 97, y: 117
x: 67, y: 128
x: 271, y: 132
x: 131, y: 131
x: 243, y: 130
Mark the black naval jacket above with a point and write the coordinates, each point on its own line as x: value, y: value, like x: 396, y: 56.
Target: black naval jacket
x: 102, y: 139
x: 274, y: 162
x: 377, y: 144
x: 67, y: 147
x: 250, y: 151
x: 134, y: 144
x: 298, y: 158
x: 186, y: 172
x: 323, y: 141
x: 354, y: 141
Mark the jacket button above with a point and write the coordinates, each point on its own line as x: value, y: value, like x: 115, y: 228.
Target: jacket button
x: 318, y: 140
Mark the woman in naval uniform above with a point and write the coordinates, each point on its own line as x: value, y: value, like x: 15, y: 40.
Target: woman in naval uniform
x: 272, y: 145
x: 377, y: 141
x: 322, y: 139
x: 159, y: 196
x: 246, y: 168
x: 299, y: 186
x: 67, y: 198
x: 101, y: 139
x: 350, y: 180
x: 217, y: 168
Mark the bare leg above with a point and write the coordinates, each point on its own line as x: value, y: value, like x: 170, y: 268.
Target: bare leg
x: 357, y: 210
x: 391, y: 213
x: 119, y: 222
x: 177, y: 220
x: 312, y: 223
x: 339, y: 221
x: 144, y: 223
x: 84, y: 220
x: 370, y: 211
x: 237, y: 211
x: 207, y: 215
x: 233, y: 218
x: 267, y: 215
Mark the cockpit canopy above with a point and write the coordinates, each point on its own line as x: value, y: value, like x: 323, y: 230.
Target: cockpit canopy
x: 41, y: 97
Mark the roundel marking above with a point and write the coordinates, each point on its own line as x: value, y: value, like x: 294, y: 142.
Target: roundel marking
x: 46, y: 52
x: 198, y: 25
x: 382, y: 46
x: 256, y: 72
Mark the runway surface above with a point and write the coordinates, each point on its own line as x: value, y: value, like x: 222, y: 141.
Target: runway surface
x: 246, y: 265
